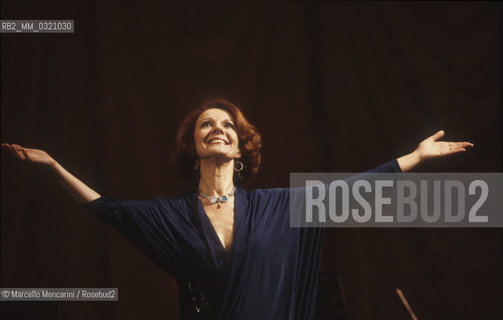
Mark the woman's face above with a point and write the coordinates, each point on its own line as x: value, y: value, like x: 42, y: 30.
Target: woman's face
x: 215, y: 135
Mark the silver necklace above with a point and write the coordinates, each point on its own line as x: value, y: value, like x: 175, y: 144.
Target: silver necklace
x: 217, y: 199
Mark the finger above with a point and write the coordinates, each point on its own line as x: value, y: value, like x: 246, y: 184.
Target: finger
x: 16, y: 147
x: 457, y: 150
x: 437, y: 135
x: 6, y: 146
x: 465, y: 144
x: 460, y: 144
x: 19, y: 151
x: 11, y: 150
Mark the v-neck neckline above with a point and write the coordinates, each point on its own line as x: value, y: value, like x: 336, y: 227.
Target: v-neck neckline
x: 237, y: 220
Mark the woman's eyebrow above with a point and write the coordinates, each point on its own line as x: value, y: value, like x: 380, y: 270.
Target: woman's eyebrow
x: 210, y: 119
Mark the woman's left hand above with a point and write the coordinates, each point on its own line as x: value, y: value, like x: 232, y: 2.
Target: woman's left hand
x: 431, y: 148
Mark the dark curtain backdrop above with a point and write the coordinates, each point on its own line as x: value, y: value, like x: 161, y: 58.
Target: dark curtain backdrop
x: 331, y: 87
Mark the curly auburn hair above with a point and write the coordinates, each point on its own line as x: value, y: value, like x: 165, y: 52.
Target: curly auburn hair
x: 249, y: 142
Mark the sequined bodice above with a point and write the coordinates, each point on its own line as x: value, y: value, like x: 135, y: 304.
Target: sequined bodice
x: 196, y: 301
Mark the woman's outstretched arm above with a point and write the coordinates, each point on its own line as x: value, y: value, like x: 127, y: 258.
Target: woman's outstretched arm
x: 77, y: 189
x: 431, y: 148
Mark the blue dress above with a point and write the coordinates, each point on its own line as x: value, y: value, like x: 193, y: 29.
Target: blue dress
x: 269, y: 272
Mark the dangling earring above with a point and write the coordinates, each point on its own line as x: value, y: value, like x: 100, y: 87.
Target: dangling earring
x: 238, y: 166
x: 196, y: 164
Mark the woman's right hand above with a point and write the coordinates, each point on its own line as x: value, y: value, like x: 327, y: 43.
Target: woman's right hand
x: 30, y: 155
x: 79, y: 191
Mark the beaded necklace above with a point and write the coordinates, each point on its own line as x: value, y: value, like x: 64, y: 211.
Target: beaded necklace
x: 217, y: 199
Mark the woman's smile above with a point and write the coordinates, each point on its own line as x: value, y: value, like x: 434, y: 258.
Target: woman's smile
x: 217, y: 141
x: 215, y: 135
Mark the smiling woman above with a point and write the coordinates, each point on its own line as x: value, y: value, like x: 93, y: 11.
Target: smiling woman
x: 232, y: 120
x: 232, y: 251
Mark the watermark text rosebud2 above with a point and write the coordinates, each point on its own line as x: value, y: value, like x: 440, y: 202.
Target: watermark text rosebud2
x: 396, y: 200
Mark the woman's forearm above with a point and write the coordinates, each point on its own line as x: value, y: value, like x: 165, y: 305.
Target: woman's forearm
x: 77, y: 189
x: 409, y: 161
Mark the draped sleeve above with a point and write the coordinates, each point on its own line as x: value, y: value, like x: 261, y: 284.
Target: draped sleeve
x: 390, y: 166
x: 160, y: 228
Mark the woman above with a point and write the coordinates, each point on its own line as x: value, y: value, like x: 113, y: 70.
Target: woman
x: 231, y: 251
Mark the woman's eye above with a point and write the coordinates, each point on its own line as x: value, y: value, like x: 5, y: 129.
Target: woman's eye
x: 205, y: 124
x: 229, y: 125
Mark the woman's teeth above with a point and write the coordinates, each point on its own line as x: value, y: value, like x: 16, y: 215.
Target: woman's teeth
x: 215, y: 141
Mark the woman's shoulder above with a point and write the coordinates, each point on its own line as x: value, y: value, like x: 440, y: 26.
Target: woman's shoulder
x: 181, y: 199
x: 268, y: 193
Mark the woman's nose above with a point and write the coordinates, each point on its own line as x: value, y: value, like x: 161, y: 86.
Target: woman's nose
x: 218, y: 128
